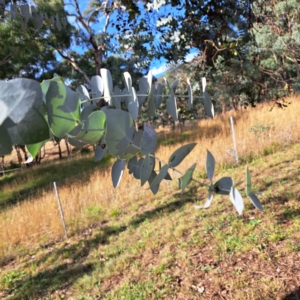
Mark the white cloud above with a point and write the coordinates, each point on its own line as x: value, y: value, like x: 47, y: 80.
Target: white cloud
x: 158, y: 70
x: 191, y: 56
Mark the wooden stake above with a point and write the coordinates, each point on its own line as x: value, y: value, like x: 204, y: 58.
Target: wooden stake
x: 60, y: 210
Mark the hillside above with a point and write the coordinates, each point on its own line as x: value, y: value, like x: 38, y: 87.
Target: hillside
x: 129, y: 244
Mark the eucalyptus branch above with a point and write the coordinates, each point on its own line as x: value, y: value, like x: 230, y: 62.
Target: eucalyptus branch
x: 179, y: 172
x: 5, y: 59
x: 75, y: 65
x: 127, y: 95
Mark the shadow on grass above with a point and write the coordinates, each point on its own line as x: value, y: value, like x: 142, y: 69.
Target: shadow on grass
x: 33, y: 181
x: 59, y: 277
x: 295, y: 295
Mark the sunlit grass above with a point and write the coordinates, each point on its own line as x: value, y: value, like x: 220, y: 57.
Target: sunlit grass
x: 134, y: 240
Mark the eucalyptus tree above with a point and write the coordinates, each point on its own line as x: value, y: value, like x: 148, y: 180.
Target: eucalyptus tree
x: 277, y: 36
x: 26, y: 47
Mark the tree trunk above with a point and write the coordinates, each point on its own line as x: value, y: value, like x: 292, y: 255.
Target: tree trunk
x: 18, y: 154
x: 59, y: 150
x: 67, y: 146
x: 22, y: 147
x: 224, y: 107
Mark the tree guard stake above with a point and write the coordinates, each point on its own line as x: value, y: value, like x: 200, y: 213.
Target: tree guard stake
x: 234, y: 141
x: 60, y: 210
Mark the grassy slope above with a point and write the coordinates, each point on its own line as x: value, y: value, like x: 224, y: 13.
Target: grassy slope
x: 131, y: 245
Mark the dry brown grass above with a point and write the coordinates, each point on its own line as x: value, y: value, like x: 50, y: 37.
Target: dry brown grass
x: 36, y: 221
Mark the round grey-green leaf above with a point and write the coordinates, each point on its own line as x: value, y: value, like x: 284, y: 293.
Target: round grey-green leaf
x: 223, y: 186
x: 120, y: 131
x: 63, y: 107
x: 93, y: 128
x: 32, y: 129
x: 11, y: 98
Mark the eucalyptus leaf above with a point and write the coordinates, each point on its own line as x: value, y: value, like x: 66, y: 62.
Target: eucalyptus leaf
x: 34, y: 149
x: 33, y: 88
x: 149, y: 140
x: 144, y: 87
x: 168, y: 177
x: 120, y: 131
x: 161, y: 175
x: 83, y: 95
x: 151, y: 103
x: 58, y: 24
x: 190, y: 94
x: 5, y: 142
x: 93, y: 128
x: 174, y: 84
x: 255, y: 201
x: 100, y: 151
x: 29, y: 159
x: 207, y: 202
x: 137, y: 170
x: 132, y: 164
x: 158, y: 95
x: 134, y: 146
x: 76, y: 143
x: 25, y: 12
x: 154, y: 188
x: 210, y: 165
x: 107, y: 85
x: 179, y: 155
x: 11, y: 98
x: 32, y: 129
x: 172, y: 107
x: 117, y: 99
x: 203, y: 84
x: 237, y: 200
x: 133, y: 103
x: 97, y: 86
x: 208, y: 105
x: 118, y: 171
x: 63, y: 107
x: 223, y: 186
x: 87, y: 110
x: 3, y: 111
x: 36, y: 20
x: 147, y: 168
x: 185, y: 180
x: 248, y: 182
x: 171, y: 102
x: 217, y: 95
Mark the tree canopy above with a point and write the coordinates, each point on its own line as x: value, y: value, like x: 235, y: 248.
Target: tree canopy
x: 245, y: 48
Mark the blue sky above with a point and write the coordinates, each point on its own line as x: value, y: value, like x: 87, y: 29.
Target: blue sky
x: 158, y: 67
